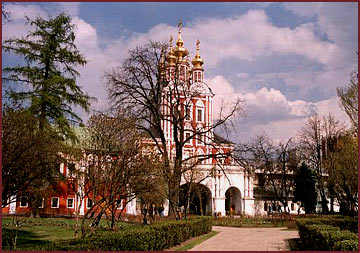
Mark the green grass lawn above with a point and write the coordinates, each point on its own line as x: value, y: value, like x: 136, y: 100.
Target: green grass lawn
x: 39, y: 231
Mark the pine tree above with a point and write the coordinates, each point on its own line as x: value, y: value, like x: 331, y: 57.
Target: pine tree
x: 51, y: 56
x: 305, y: 190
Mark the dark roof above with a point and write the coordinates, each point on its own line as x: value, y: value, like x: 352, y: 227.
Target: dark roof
x: 217, y: 139
x: 220, y: 140
x: 154, y: 132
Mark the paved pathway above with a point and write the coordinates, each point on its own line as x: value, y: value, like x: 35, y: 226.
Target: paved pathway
x: 248, y: 239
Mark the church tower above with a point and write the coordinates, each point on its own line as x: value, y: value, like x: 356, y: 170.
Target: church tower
x: 196, y: 98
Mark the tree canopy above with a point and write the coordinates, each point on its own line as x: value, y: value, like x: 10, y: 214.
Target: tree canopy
x: 50, y: 56
x: 349, y: 98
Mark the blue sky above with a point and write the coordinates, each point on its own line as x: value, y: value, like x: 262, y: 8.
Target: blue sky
x: 284, y: 59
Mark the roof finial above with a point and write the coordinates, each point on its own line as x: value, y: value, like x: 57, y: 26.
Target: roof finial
x: 180, y: 25
x: 198, y: 62
x: 171, y: 40
x: 197, y: 45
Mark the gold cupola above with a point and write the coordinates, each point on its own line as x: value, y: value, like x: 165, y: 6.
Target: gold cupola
x: 180, y: 51
x: 197, y: 61
x: 171, y: 58
x: 162, y: 68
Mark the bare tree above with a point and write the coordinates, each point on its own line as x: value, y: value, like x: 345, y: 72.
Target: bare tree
x: 160, y: 98
x: 112, y: 168
x: 317, y: 136
x: 274, y: 166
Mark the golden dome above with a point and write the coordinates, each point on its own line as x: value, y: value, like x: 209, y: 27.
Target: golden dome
x: 197, y: 61
x: 179, y: 50
x: 162, y: 64
x: 171, y: 58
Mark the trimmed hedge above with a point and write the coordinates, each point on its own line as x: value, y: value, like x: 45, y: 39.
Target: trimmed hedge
x: 346, y: 245
x: 318, y: 236
x: 344, y: 223
x: 155, y: 237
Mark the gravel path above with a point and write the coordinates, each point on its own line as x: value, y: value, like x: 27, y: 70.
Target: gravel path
x: 248, y: 239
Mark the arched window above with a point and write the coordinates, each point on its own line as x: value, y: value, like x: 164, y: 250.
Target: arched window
x: 200, y: 111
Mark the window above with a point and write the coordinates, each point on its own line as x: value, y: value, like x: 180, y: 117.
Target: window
x: 55, y: 202
x: 61, y: 167
x: 200, y: 139
x: 187, y: 135
x: 23, y: 202
x: 89, y: 203
x: 292, y: 207
x: 70, y: 169
x: 200, y: 111
x: 188, y: 113
x: 119, y: 204
x: 70, y: 203
x: 199, y: 115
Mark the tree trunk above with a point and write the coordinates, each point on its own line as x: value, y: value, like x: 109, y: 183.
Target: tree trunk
x: 201, y: 204
x: 187, y: 209
x: 173, y: 200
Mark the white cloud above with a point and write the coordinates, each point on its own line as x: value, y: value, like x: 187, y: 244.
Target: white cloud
x: 18, y: 27
x: 268, y: 110
x: 246, y: 37
x: 251, y: 35
x: 86, y: 37
x: 339, y: 21
x: 71, y: 8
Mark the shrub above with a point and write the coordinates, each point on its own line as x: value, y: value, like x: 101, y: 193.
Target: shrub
x: 318, y: 236
x: 158, y: 236
x: 346, y: 245
x: 343, y: 222
x: 254, y: 222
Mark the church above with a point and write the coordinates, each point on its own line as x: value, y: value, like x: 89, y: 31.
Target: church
x: 224, y: 187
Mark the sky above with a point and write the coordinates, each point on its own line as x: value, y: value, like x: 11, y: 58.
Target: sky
x: 285, y: 60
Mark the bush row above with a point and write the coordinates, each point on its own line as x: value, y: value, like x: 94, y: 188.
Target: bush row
x: 252, y: 222
x: 325, y: 237
x: 344, y: 223
x: 155, y: 237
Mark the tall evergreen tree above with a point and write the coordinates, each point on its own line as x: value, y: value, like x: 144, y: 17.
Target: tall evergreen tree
x: 305, y: 192
x: 50, y: 56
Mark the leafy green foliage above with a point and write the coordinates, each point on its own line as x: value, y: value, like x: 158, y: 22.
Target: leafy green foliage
x: 50, y: 55
x: 30, y: 156
x: 343, y: 161
x: 315, y: 235
x: 305, y: 191
x: 347, y: 245
x: 349, y: 98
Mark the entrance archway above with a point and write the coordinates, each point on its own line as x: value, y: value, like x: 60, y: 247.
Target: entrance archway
x: 199, y: 199
x: 233, y: 200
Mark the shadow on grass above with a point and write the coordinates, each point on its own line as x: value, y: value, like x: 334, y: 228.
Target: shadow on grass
x: 25, y: 239
x: 295, y: 244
